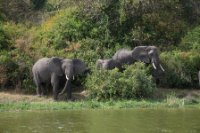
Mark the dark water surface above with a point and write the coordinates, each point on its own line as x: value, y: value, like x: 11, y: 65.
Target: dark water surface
x: 102, y: 121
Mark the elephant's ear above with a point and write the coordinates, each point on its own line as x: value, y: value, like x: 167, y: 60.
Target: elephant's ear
x: 141, y: 54
x: 55, y: 66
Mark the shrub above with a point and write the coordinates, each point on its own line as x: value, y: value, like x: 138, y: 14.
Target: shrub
x: 61, y: 29
x: 23, y: 80
x: 4, y: 38
x: 38, y: 4
x: 133, y: 83
x: 182, y: 66
x: 191, y: 40
x: 181, y: 69
x: 15, y: 69
x: 8, y: 69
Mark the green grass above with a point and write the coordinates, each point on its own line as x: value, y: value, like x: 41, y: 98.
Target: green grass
x: 172, y: 103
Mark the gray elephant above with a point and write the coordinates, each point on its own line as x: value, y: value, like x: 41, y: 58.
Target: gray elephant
x: 146, y: 54
x: 108, y: 64
x: 57, y: 72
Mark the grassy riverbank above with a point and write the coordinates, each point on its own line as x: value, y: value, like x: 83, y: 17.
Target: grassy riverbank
x: 164, y: 99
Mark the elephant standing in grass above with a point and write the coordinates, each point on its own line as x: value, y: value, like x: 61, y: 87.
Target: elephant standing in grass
x: 57, y: 72
x: 146, y: 54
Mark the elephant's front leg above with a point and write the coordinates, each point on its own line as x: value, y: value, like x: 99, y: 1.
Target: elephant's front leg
x: 67, y: 88
x: 55, y: 84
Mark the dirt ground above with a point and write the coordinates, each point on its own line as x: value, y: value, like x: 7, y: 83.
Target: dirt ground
x: 12, y: 96
x: 179, y: 93
x: 8, y: 97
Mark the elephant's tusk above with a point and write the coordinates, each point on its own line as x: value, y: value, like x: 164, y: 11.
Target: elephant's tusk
x: 162, y: 68
x: 73, y: 77
x: 67, y: 77
x: 153, y: 65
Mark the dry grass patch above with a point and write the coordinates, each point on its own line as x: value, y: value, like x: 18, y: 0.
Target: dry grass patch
x: 13, y: 97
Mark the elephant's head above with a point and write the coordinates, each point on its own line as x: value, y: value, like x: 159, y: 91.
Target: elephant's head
x: 74, y: 67
x: 148, y: 54
x: 107, y: 64
x: 68, y: 68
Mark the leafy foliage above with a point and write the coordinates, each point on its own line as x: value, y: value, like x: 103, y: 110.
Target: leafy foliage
x: 134, y: 82
x: 181, y: 69
x: 191, y: 40
x: 38, y: 4
x: 4, y: 39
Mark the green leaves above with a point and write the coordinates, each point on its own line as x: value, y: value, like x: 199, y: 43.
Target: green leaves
x: 133, y: 83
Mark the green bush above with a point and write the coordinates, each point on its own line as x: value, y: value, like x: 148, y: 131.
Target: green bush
x: 182, y: 65
x: 133, y: 83
x: 70, y: 26
x: 38, y: 4
x: 181, y: 69
x: 8, y: 69
x: 191, y: 41
x: 15, y: 69
x: 24, y: 78
x: 4, y: 38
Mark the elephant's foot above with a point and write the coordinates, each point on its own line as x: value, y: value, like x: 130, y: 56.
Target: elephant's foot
x: 70, y: 99
x: 39, y: 95
x: 55, y: 100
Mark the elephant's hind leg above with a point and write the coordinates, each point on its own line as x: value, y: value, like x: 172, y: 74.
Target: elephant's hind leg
x: 38, y: 90
x: 37, y: 83
x: 42, y: 89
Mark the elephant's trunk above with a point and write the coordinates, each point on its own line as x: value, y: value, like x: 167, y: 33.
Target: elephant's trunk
x: 65, y: 88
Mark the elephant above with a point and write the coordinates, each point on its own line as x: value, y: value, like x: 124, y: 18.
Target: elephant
x: 108, y: 64
x: 146, y: 54
x: 57, y: 72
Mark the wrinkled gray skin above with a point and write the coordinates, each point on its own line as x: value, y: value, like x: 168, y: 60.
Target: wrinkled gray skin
x: 108, y: 64
x: 56, y: 71
x: 146, y: 54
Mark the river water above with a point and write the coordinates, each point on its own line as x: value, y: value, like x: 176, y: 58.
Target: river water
x: 102, y: 121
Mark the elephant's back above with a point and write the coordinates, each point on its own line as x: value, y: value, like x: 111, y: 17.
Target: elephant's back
x: 40, y: 69
x: 123, y: 56
x: 40, y: 64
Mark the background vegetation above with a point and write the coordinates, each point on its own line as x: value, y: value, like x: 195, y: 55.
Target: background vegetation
x: 89, y: 30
